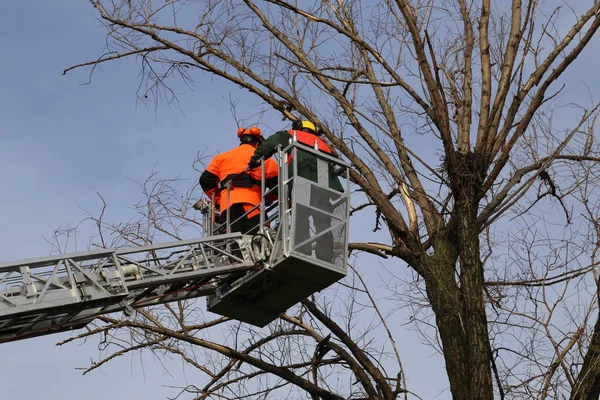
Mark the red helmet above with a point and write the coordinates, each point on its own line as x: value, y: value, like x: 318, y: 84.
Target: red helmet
x: 253, y: 131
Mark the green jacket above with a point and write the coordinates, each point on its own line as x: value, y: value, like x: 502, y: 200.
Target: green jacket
x: 307, y: 163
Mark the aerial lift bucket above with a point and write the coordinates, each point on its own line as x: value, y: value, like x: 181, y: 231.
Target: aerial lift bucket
x: 309, y: 235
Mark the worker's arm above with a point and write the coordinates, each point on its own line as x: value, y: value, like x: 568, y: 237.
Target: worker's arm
x: 267, y: 148
x: 209, y: 180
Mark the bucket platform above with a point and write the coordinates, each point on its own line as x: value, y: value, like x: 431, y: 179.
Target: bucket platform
x: 309, y: 250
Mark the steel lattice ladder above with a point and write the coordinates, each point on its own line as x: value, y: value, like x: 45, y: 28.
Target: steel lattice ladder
x: 52, y: 294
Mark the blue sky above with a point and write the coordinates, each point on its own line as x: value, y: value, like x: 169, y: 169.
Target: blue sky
x: 62, y: 142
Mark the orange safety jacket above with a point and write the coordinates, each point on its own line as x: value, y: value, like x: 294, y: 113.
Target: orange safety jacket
x: 244, y: 188
x: 309, y: 139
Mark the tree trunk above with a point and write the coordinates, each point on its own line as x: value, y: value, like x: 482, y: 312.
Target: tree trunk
x: 444, y: 295
x: 587, y: 386
x: 459, y: 306
x: 473, y: 311
x: 460, y: 317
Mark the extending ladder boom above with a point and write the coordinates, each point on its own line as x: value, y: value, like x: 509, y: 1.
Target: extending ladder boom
x: 63, y: 292
x: 299, y: 248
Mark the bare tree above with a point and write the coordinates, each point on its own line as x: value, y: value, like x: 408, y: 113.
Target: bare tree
x: 305, y: 352
x: 498, y: 223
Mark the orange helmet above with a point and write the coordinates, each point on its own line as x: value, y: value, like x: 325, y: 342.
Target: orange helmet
x: 253, y: 131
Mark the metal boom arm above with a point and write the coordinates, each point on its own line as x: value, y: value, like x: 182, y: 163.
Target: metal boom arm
x: 64, y: 292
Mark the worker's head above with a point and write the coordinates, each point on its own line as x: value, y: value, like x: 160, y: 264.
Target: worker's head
x: 251, y: 135
x: 305, y: 126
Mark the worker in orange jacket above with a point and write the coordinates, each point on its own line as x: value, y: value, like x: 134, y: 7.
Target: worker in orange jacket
x: 244, y: 187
